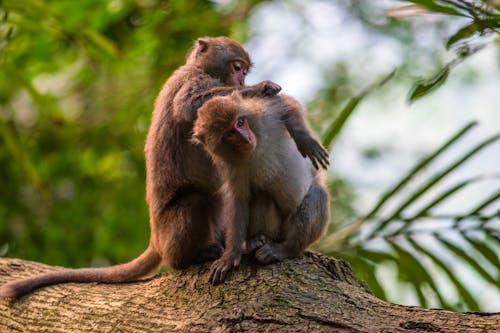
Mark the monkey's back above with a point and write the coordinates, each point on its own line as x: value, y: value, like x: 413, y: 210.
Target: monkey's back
x: 172, y: 160
x: 277, y: 167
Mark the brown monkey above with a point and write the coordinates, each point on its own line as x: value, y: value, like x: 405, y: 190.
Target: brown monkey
x: 270, y: 189
x: 181, y: 182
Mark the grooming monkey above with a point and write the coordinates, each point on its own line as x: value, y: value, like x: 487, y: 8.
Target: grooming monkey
x: 275, y: 199
x: 181, y: 183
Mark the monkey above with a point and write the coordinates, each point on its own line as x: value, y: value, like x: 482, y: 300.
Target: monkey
x: 276, y: 201
x: 181, y: 182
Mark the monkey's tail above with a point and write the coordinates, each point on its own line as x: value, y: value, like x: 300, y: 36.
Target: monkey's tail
x: 148, y: 261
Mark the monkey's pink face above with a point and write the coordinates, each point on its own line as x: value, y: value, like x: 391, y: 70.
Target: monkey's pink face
x: 240, y: 136
x: 238, y: 71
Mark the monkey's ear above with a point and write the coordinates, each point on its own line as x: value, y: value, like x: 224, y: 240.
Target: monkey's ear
x: 203, y: 44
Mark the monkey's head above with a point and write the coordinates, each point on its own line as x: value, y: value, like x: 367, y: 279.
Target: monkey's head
x: 222, y: 127
x: 221, y: 58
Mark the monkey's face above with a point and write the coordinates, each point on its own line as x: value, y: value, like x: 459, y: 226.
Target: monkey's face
x: 223, y: 128
x: 237, y: 73
x: 240, y: 137
x: 221, y: 58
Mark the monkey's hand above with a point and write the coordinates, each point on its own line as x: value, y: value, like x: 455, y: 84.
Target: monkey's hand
x: 311, y: 148
x: 269, y: 88
x: 265, y: 88
x: 221, y: 266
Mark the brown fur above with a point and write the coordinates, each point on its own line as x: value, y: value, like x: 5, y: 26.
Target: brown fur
x: 182, y: 183
x: 275, y: 200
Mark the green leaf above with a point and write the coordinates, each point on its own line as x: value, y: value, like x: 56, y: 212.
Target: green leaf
x: 445, y: 195
x: 482, y: 248
x: 376, y: 256
x: 101, y: 42
x: 47, y: 105
x: 464, y: 33
x: 435, y: 6
x: 20, y: 155
x: 431, y: 182
x: 462, y: 291
x: 424, y: 87
x: 417, y: 168
x: 338, y: 123
x: 417, y: 274
x: 459, y: 252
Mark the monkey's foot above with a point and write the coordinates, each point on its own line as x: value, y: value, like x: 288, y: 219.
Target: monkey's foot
x: 221, y: 266
x: 255, y: 243
x: 271, y: 252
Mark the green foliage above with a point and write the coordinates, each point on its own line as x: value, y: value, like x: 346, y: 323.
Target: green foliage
x: 395, y: 236
x: 78, y: 81
x: 484, y: 21
x: 336, y: 125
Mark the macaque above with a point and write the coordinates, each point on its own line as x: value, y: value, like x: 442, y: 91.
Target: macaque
x: 181, y: 183
x: 276, y: 203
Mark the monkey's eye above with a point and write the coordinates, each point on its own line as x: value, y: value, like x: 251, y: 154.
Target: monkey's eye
x: 240, y: 122
x: 237, y: 66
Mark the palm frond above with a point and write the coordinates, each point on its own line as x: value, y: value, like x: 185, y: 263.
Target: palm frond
x: 467, y: 239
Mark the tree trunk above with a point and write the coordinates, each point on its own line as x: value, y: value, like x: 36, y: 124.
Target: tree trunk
x: 314, y: 293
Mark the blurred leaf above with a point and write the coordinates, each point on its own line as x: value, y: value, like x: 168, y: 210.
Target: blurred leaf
x: 336, y: 126
x: 424, y: 87
x: 101, y: 42
x: 418, y: 167
x: 19, y: 155
x: 461, y: 289
x: 417, y: 274
x: 338, y: 123
x: 432, y: 181
x: 440, y: 7
x: 376, y: 256
x: 446, y: 195
x: 464, y: 33
x: 460, y: 253
x: 479, y: 26
x: 483, y: 249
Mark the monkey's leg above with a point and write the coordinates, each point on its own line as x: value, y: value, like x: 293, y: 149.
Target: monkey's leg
x: 301, y: 229
x: 186, y: 234
x: 265, y: 222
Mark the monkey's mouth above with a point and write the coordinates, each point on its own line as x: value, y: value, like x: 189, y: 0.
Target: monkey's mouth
x: 246, y: 147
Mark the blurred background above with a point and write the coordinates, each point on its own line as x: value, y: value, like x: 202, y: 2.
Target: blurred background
x: 405, y: 94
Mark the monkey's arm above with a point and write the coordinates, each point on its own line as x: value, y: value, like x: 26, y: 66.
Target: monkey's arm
x: 262, y: 89
x: 295, y: 123
x: 236, y: 215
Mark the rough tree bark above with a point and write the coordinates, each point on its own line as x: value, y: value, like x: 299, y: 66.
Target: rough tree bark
x: 314, y: 293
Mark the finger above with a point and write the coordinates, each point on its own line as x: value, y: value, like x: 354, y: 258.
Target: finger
x: 323, y: 164
x: 236, y: 262
x: 325, y: 154
x: 313, y: 160
x: 322, y: 161
x: 211, y: 279
x: 216, y: 278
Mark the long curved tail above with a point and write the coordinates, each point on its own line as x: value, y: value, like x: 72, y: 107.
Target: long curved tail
x: 148, y: 261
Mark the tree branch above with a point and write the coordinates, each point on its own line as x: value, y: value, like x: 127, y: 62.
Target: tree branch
x: 314, y: 293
